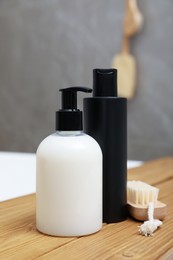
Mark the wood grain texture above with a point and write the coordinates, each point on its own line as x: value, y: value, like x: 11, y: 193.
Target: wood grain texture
x: 19, y: 238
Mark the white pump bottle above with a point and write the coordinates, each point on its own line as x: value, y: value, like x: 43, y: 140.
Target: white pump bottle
x: 69, y: 175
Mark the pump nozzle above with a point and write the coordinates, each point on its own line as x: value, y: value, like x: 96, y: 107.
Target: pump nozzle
x: 69, y: 96
x: 69, y: 118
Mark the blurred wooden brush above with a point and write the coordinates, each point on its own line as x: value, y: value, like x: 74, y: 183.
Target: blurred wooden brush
x: 124, y: 61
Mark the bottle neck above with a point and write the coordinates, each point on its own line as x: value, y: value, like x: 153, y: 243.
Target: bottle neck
x: 69, y: 133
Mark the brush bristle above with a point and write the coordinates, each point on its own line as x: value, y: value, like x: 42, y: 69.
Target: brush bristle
x: 141, y: 193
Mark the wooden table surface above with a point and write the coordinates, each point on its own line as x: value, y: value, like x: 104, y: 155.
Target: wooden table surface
x: 20, y: 240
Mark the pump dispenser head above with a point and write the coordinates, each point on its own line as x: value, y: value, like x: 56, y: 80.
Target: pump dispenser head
x: 69, y: 117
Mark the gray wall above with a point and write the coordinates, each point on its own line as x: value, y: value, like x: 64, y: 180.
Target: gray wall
x: 46, y: 45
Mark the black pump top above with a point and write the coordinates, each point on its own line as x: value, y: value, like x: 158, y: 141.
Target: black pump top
x: 104, y: 83
x: 69, y: 118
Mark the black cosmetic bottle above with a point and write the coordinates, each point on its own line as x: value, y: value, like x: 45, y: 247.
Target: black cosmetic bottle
x: 105, y: 119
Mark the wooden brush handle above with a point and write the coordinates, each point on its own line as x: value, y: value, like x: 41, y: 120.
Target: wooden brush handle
x: 125, y: 47
x: 132, y: 23
x: 133, y: 19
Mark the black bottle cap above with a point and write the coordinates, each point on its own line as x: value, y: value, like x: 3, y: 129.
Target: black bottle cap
x: 104, y: 83
x: 69, y: 118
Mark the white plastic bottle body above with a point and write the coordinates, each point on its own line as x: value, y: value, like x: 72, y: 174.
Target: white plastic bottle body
x: 69, y: 185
